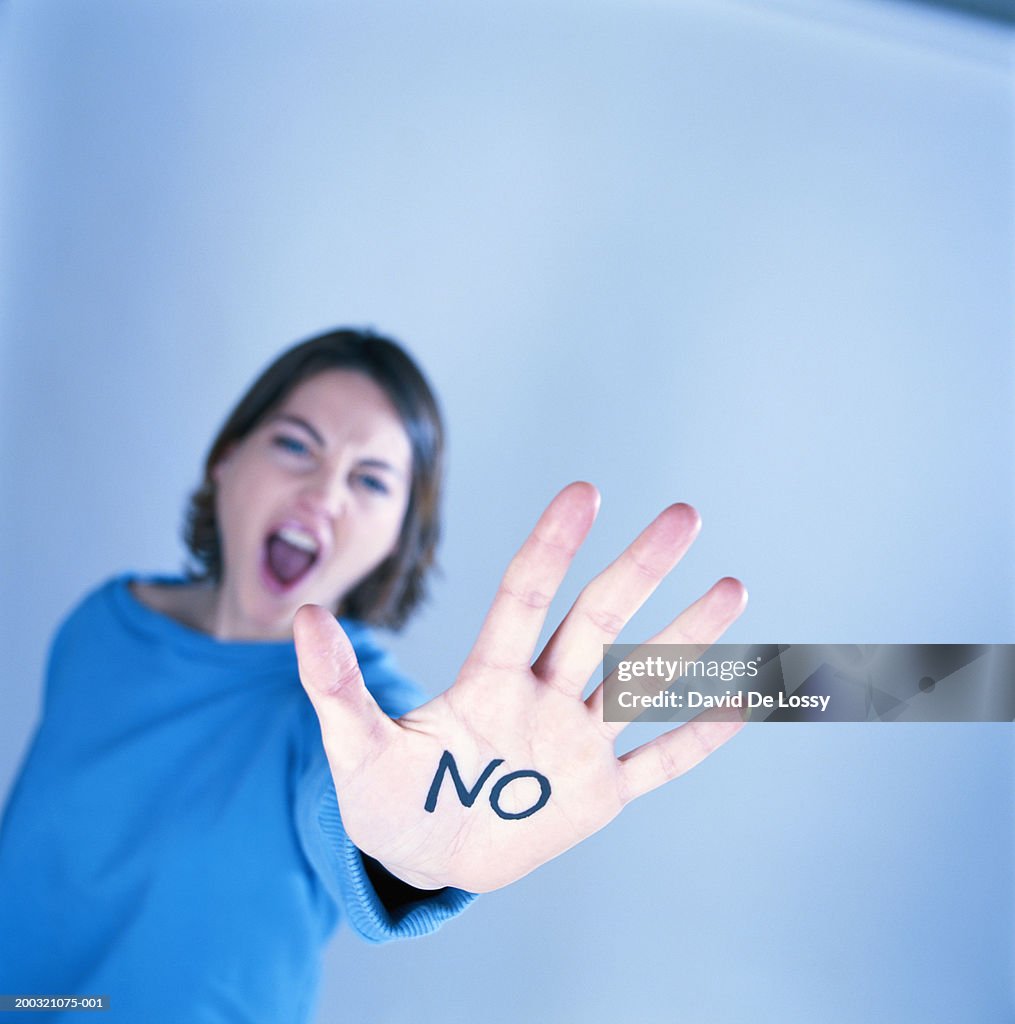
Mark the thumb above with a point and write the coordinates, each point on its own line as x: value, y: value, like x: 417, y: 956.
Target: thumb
x: 353, y: 727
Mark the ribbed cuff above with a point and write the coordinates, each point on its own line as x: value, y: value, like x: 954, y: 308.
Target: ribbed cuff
x: 340, y: 866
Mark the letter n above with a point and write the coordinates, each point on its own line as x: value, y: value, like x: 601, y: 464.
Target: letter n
x: 467, y: 796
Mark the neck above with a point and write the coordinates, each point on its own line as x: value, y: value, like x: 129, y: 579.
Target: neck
x: 225, y: 620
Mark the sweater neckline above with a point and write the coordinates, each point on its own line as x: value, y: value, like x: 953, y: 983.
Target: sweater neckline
x: 161, y: 627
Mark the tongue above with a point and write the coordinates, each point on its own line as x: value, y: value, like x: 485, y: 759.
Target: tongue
x: 287, y: 561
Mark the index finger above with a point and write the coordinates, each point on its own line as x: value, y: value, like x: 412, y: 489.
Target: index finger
x: 512, y: 626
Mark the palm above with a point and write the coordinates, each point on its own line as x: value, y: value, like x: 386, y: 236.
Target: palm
x: 528, y: 727
x: 510, y: 767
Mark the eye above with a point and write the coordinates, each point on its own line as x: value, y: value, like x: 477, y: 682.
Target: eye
x: 373, y: 483
x: 290, y: 444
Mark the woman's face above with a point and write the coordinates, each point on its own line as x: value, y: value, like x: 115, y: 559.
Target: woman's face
x: 309, y: 503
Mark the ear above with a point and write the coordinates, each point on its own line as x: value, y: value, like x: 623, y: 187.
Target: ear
x: 216, y: 470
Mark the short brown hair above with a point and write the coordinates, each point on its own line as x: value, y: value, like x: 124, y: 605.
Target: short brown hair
x: 398, y: 585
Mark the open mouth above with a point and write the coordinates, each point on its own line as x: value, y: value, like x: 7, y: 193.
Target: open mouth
x: 290, y: 553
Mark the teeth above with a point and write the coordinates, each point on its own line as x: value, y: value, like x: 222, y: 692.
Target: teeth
x: 299, y: 538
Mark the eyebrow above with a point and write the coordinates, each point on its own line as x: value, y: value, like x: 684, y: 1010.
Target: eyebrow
x: 299, y: 421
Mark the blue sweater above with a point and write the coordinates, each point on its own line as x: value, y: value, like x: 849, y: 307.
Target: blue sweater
x: 173, y: 841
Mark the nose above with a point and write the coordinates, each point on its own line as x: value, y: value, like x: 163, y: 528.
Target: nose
x: 326, y: 493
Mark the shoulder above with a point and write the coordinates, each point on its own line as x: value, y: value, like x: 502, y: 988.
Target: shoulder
x: 129, y: 604
x: 94, y: 624
x: 97, y: 603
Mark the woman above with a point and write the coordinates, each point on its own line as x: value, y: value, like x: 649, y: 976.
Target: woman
x: 174, y: 839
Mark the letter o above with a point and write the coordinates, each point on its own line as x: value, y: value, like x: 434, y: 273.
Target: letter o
x: 544, y: 795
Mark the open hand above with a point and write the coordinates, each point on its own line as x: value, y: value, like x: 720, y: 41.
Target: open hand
x: 510, y: 767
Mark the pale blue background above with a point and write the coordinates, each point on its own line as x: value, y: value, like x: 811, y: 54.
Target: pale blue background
x: 756, y: 256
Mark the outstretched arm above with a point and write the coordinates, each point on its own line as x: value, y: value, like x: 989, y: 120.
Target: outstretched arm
x: 510, y: 767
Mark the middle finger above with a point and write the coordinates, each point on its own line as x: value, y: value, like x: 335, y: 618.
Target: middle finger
x: 607, y: 603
